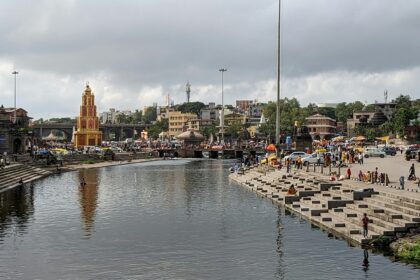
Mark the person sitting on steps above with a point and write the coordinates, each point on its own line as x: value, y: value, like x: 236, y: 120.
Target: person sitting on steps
x: 291, y: 190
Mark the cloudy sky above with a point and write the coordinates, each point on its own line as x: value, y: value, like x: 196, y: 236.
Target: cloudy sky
x: 135, y: 52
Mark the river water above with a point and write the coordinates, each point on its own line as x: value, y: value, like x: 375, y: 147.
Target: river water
x: 174, y: 219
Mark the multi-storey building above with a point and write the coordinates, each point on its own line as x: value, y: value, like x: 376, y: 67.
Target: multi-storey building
x: 108, y: 117
x: 179, y: 122
x: 381, y: 113
x: 209, y: 115
x: 243, y: 105
x: 321, y: 126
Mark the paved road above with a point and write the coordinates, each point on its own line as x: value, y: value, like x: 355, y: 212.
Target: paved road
x: 395, y: 166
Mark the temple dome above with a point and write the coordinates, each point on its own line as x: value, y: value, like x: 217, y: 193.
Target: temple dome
x: 191, y: 135
x: 88, y: 91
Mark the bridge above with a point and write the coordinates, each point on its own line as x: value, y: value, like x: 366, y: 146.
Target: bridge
x: 111, y: 132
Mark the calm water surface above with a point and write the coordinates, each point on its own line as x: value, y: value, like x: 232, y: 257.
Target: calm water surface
x: 167, y: 220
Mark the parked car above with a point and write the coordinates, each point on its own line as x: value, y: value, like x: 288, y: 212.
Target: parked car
x: 412, y: 154
x: 313, y: 158
x: 294, y: 155
x: 390, y: 151
x: 374, y: 152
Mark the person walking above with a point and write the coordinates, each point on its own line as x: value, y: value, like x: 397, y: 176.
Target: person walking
x: 412, y: 173
x: 365, y: 222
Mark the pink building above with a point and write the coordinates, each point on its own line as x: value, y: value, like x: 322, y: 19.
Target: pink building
x: 321, y: 127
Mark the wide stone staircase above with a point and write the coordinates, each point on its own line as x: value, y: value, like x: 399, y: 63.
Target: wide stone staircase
x: 338, y: 207
x: 12, y: 174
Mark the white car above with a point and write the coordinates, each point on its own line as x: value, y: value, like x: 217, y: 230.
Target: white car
x: 313, y: 158
x: 294, y: 155
x: 374, y: 152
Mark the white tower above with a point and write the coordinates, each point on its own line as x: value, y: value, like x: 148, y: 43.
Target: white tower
x: 188, y: 91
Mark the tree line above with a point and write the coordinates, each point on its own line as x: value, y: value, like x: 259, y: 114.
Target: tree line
x: 291, y: 113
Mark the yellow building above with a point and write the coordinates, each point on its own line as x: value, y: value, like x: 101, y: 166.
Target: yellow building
x: 234, y: 118
x: 87, y: 133
x: 179, y: 122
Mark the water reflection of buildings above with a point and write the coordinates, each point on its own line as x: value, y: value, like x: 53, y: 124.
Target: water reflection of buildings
x: 16, y: 209
x: 88, y: 197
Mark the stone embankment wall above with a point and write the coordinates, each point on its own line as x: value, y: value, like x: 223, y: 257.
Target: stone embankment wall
x: 338, y: 207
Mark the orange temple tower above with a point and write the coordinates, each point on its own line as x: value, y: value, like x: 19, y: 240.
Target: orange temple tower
x: 87, y: 133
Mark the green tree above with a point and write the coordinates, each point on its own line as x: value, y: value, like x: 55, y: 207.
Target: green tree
x: 208, y: 130
x: 158, y: 127
x: 387, y: 128
x: 149, y: 115
x: 137, y: 115
x: 404, y: 113
x: 62, y: 120
x: 344, y: 111
x: 233, y: 131
x: 328, y: 111
x: 371, y: 133
x: 191, y: 107
x: 121, y: 118
x: 290, y: 112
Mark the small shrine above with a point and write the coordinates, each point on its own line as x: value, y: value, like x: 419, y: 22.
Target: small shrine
x: 191, y: 138
x: 87, y: 133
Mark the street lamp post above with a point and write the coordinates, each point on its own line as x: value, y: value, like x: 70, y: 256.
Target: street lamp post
x: 14, y: 114
x: 278, y: 81
x: 222, y: 117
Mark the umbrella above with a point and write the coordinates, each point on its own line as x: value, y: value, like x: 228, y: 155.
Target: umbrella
x: 217, y: 148
x: 338, y: 139
x: 383, y: 138
x: 359, y: 138
x: 270, y: 148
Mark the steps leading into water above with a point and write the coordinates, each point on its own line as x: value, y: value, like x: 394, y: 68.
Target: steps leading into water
x: 337, y: 207
x: 11, y: 175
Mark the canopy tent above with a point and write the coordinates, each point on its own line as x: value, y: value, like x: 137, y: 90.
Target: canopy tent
x: 52, y: 137
x: 338, y: 139
x: 217, y: 148
x: 383, y: 138
x: 359, y: 138
x: 270, y: 148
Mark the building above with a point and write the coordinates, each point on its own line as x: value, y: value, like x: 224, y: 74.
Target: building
x: 243, y: 105
x: 386, y: 109
x: 14, y: 136
x: 209, y: 115
x: 109, y: 116
x: 321, y: 127
x: 233, y: 118
x: 179, y: 122
x: 381, y: 113
x: 87, y: 133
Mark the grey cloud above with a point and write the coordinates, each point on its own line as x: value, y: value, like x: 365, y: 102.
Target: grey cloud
x: 132, y: 45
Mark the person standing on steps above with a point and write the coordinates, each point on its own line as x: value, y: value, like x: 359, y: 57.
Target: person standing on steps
x: 365, y: 222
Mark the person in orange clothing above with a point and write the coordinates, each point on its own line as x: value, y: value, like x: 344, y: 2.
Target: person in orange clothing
x: 291, y: 190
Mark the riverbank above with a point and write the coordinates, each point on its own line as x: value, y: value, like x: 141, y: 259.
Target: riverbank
x: 20, y: 174
x: 70, y: 167
x: 338, y: 207
x: 407, y: 248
